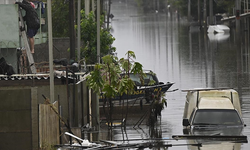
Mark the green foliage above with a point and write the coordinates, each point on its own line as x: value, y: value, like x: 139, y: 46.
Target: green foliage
x: 106, y: 77
x: 94, y: 80
x: 89, y: 37
x: 159, y: 102
x: 220, y: 6
x: 60, y: 18
x: 225, y: 6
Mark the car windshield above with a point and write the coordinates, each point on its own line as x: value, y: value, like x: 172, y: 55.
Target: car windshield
x: 216, y: 117
x: 136, y: 79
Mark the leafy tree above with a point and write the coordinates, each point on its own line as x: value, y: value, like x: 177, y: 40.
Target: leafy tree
x: 225, y: 6
x: 60, y: 18
x: 89, y: 37
x: 220, y: 6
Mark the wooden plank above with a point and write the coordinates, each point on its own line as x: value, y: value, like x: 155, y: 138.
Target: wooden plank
x: 26, y: 44
x: 236, y: 138
x: 48, y: 126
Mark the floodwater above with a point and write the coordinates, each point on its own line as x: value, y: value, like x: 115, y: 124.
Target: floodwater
x: 186, y: 56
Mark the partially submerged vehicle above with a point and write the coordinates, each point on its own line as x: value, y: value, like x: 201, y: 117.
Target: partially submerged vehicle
x: 144, y: 89
x: 210, y: 109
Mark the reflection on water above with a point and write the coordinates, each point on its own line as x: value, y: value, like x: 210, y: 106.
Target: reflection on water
x: 186, y: 56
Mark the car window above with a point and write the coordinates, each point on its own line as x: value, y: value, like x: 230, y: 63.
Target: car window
x: 147, y: 79
x: 216, y: 117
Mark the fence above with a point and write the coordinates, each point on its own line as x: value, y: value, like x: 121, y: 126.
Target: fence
x: 48, y: 126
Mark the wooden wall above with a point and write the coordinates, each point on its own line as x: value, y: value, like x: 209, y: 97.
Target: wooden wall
x: 48, y: 125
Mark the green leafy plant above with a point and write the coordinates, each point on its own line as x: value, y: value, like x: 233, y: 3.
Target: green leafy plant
x: 159, y: 101
x: 106, y: 79
x: 89, y: 38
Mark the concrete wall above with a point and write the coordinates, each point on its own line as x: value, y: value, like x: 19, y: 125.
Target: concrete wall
x: 10, y: 55
x: 19, y: 113
x: 9, y: 1
x: 60, y: 50
x: 15, y: 124
x: 9, y: 26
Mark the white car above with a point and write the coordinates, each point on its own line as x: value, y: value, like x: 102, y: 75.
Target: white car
x: 212, y: 110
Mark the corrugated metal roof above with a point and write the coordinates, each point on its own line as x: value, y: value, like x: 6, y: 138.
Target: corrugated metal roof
x: 57, y: 74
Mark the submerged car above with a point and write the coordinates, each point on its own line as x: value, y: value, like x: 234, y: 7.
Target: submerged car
x: 213, y: 111
x: 144, y: 89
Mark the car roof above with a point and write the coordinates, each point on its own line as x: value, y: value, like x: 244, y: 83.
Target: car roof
x: 215, y: 103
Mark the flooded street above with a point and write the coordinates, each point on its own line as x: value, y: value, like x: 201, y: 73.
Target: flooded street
x: 185, y: 56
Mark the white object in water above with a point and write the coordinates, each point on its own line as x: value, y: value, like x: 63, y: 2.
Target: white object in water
x: 84, y: 142
x: 218, y: 29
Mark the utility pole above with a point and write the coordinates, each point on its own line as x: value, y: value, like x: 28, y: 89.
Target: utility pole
x: 87, y: 7
x: 211, y: 14
x: 247, y: 6
x: 72, y: 29
x: 93, y: 5
x: 108, y: 16
x: 205, y: 13
x: 189, y: 10
x: 95, y: 101
x: 237, y: 5
x: 199, y: 13
x: 72, y: 33
x: 98, y: 31
x: 51, y: 68
x: 78, y: 30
